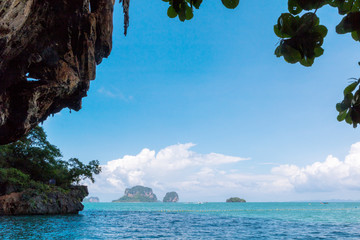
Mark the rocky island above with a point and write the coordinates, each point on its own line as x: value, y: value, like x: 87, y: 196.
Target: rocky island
x: 91, y: 200
x: 138, y: 194
x: 235, y: 199
x: 171, y: 197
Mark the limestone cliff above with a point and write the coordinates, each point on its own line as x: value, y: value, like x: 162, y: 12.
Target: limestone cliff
x: 31, y: 202
x: 138, y: 194
x: 48, y: 54
x: 171, y: 197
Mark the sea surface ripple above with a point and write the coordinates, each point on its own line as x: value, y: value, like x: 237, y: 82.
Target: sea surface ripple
x: 192, y: 221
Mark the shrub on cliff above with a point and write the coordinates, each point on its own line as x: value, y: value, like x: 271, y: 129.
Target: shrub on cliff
x: 33, y: 158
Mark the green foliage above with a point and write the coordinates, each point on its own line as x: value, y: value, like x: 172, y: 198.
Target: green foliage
x: 231, y: 4
x: 78, y: 171
x: 32, y: 154
x: 12, y: 180
x: 184, y: 8
x: 235, y: 199
x: 140, y: 190
x: 32, y: 161
x: 302, y: 38
x: 349, y: 108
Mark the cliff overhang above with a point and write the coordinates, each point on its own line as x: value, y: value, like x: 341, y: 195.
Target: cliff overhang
x: 49, y: 50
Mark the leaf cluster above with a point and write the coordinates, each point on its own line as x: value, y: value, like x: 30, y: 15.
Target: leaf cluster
x: 184, y: 8
x: 302, y: 38
x: 349, y: 108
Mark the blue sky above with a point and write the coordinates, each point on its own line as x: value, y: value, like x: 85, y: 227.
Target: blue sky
x: 214, y: 82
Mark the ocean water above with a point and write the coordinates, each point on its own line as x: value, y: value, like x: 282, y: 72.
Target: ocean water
x: 192, y: 221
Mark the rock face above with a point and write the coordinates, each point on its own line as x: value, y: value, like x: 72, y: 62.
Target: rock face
x: 171, y: 197
x: 48, y: 54
x: 138, y: 194
x: 91, y: 200
x: 32, y: 202
x: 235, y: 199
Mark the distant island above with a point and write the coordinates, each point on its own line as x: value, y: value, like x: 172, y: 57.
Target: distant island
x: 171, y: 197
x: 91, y: 200
x: 138, y: 194
x: 235, y: 199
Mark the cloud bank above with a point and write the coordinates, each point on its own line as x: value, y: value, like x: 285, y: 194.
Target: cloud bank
x: 214, y: 176
x: 327, y: 176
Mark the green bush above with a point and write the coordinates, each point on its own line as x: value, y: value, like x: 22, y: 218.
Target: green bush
x: 32, y: 161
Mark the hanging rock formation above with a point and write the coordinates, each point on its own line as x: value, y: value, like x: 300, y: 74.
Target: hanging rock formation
x: 48, y: 54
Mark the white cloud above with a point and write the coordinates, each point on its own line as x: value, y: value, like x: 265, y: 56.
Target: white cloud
x: 114, y: 93
x: 213, y: 176
x: 327, y: 176
x: 175, y: 167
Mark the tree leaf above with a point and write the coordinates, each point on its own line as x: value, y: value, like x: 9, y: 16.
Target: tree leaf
x: 188, y: 13
x: 348, y: 117
x: 310, y: 19
x: 285, y: 24
x: 350, y: 88
x: 231, y: 4
x: 355, y: 35
x: 182, y: 15
x: 171, y: 12
x: 318, y: 51
x: 322, y: 30
x: 291, y: 55
x: 278, y: 51
x: 294, y: 7
x: 339, y: 107
x: 279, y: 33
x: 341, y: 116
x: 307, y: 62
x: 197, y: 3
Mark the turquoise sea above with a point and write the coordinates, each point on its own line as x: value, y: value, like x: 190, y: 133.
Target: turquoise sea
x: 192, y: 221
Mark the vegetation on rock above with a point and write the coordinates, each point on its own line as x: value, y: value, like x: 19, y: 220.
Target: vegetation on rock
x: 171, y: 197
x: 235, y: 199
x: 138, y: 194
x: 32, y: 162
